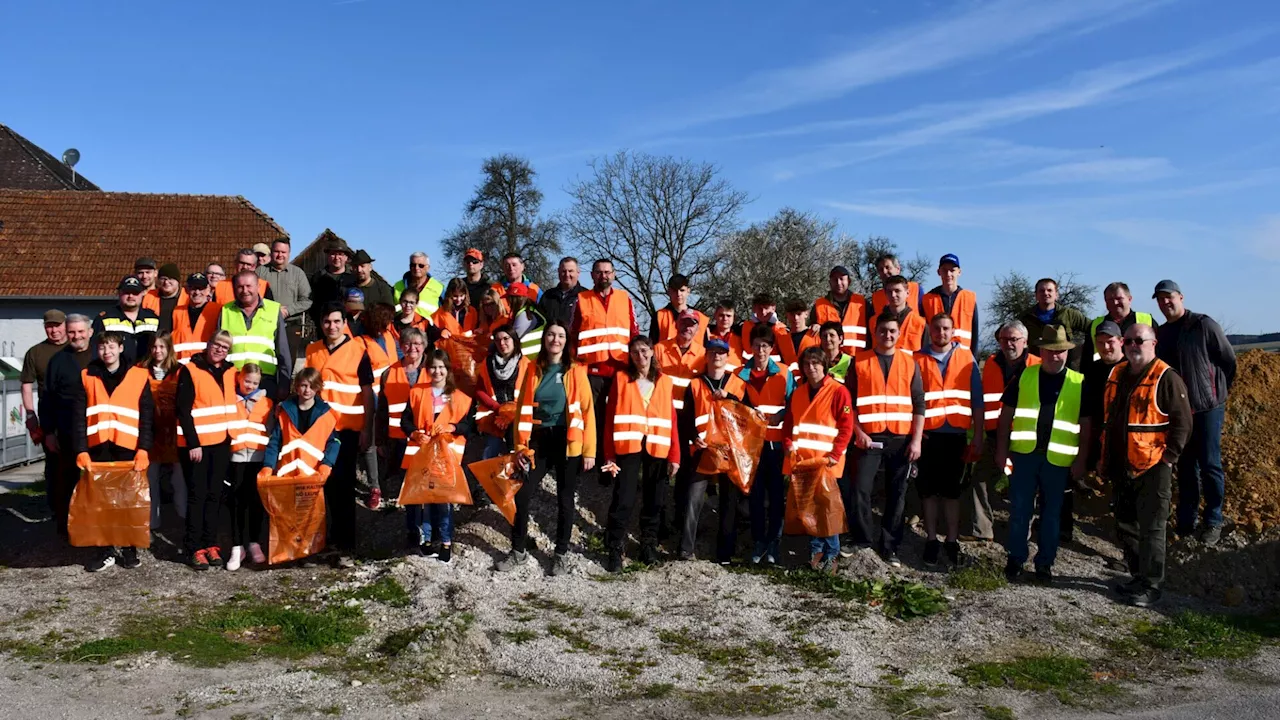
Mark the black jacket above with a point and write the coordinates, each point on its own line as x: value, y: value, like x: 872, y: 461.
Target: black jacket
x: 326, y: 287
x: 185, y: 397
x: 558, y: 305
x: 1197, y: 348
x: 146, y: 409
x: 62, y: 384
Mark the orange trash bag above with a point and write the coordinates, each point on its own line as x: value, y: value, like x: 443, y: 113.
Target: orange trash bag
x: 465, y: 355
x: 295, y: 506
x: 814, y: 507
x: 111, y: 506
x: 735, y: 437
x: 435, y: 475
x: 501, y: 479
x: 489, y: 425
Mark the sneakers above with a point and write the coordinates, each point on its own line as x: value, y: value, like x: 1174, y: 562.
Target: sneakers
x: 1146, y: 597
x: 1044, y: 576
x: 847, y: 550
x: 256, y: 554
x: 612, y: 565
x: 446, y: 554
x: 649, y: 555
x: 932, y: 552
x: 375, y: 499
x: 561, y: 564
x: 214, y: 557
x: 106, y: 559
x: 891, y: 558
x: 237, y: 556
x: 1012, y: 570
x: 1210, y: 535
x: 431, y: 550
x: 199, y: 560
x: 954, y: 557
x: 686, y: 556
x: 129, y: 558
x: 513, y: 561
x: 757, y: 552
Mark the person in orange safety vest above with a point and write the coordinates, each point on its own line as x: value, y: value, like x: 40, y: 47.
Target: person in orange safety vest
x: 950, y: 298
x: 844, y: 307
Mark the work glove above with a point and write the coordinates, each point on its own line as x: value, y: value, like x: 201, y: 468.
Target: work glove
x: 82, y: 461
x: 141, y: 461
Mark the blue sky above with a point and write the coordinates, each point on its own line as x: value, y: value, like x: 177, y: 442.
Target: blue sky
x: 1122, y: 139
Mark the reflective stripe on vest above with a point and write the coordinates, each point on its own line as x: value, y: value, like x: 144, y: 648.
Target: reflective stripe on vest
x: 853, y: 322
x: 770, y: 400
x: 603, y: 331
x: 301, y: 453
x: 257, y: 342
x: 422, y: 405
x: 114, y: 417
x: 947, y: 400
x: 993, y: 389
x: 577, y: 391
x: 813, y: 425
x: 703, y: 400
x: 214, y: 410
x: 396, y: 396
x: 1064, y: 438
x: 883, y: 405
x: 249, y: 429
x: 340, y: 380
x: 638, y: 426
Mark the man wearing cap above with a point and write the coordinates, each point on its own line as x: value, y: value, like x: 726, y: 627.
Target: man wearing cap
x: 291, y: 288
x: 128, y: 317
x: 194, y: 322
x: 418, y: 277
x: 1196, y: 348
x: 1119, y: 302
x: 950, y: 298
x: 849, y: 309
x: 375, y: 289
x: 473, y: 276
x: 513, y: 271
x: 1042, y: 428
x: 329, y: 284
x: 263, y: 251
x: 144, y: 268
x: 354, y: 305
x: 34, y: 366
x: 62, y: 385
x: 560, y: 302
x: 257, y: 334
x: 246, y: 261
x: 887, y: 266
x: 663, y: 326
x: 1047, y: 313
x: 166, y: 296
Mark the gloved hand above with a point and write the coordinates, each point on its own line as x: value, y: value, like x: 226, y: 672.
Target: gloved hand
x: 141, y: 461
x: 324, y: 472
x: 264, y: 473
x: 82, y: 461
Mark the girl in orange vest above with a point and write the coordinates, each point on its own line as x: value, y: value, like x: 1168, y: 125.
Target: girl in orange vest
x: 458, y: 318
x: 206, y: 406
x: 641, y: 450
x: 501, y: 375
x: 248, y: 450
x: 768, y: 388
x: 113, y: 414
x: 294, y: 420
x: 408, y: 316
x: 556, y: 398
x: 162, y: 372
x: 435, y: 409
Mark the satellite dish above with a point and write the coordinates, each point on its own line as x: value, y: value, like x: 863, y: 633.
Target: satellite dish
x: 71, y: 157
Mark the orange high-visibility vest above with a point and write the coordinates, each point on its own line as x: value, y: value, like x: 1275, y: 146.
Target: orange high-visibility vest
x: 250, y: 427
x: 579, y: 409
x: 485, y: 382
x: 1148, y: 423
x: 781, y: 338
x: 418, y: 322
x: 962, y: 308
x: 113, y: 417
x: 301, y: 453
x: 667, y: 325
x: 737, y: 356
x: 188, y: 342
x: 770, y: 400
x: 603, y: 332
x: 853, y: 321
x: 396, y: 395
x: 947, y: 399
x: 214, y: 410
x: 637, y: 426
x: 993, y: 389
x: 224, y: 292
x: 702, y: 400
x: 422, y: 405
x: 340, y: 373
x: 448, y: 323
x: 681, y: 367
x: 883, y: 405
x: 791, y: 354
x: 151, y: 300
x: 379, y: 359
x: 813, y: 425
x: 880, y: 301
x: 911, y: 333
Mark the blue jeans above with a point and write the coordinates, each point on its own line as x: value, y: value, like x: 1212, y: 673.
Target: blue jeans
x: 493, y: 447
x: 1033, y: 474
x: 768, y: 490
x: 1200, y: 471
x: 425, y: 517
x: 828, y: 546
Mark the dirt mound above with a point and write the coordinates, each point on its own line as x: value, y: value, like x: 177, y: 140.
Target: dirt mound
x: 1251, y: 442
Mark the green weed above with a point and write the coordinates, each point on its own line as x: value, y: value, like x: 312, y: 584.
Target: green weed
x: 386, y: 590
x: 1068, y: 678
x: 997, y: 712
x: 1204, y: 636
x: 897, y: 598
x: 978, y: 577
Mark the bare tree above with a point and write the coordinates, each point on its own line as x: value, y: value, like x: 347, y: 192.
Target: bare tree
x: 653, y: 216
x: 866, y: 280
x: 502, y: 217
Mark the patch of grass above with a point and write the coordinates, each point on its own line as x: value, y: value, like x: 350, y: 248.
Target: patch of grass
x: 657, y: 691
x: 622, y: 615
x: 520, y: 637
x: 1205, y: 636
x: 912, y: 701
x: 35, y: 489
x: 826, y: 703
x: 978, y: 577
x: 331, y: 710
x: 386, y: 590
x: 897, y: 598
x: 594, y: 543
x: 1070, y: 679
x: 397, y: 642
x: 682, y: 642
x: 575, y: 638
x: 534, y: 600
x: 997, y: 712
x: 755, y: 700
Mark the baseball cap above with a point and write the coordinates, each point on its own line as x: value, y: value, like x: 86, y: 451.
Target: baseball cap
x: 1108, y: 327
x: 130, y: 284
x: 54, y: 317
x: 197, y: 281
x: 474, y: 254
x: 518, y: 289
x: 687, y: 316
x: 261, y: 249
x: 840, y: 270
x: 170, y: 270
x: 144, y: 262
x: 355, y: 296
x: 717, y: 345
x: 1166, y: 286
x: 950, y: 258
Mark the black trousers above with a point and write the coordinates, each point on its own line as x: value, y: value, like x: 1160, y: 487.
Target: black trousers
x: 600, y: 388
x: 340, y: 492
x: 860, y: 483
x: 550, y: 452
x: 205, y: 483
x: 61, y: 484
x: 643, y: 474
x: 246, y: 505
x: 1141, y: 507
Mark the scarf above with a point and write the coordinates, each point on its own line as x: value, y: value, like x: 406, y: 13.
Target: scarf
x: 503, y: 369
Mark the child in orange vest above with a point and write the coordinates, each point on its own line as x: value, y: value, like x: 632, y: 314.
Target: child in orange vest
x: 248, y: 449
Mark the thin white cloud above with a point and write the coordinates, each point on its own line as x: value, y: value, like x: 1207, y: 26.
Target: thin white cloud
x: 1159, y: 233
x: 1113, y: 170
x: 984, y: 29
x: 1265, y: 243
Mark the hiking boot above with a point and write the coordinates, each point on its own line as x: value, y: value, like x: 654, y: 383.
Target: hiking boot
x: 200, y: 560
x: 512, y: 561
x: 1044, y: 576
x: 1146, y: 597
x: 1012, y: 570
x: 106, y: 558
x: 954, y: 557
x: 829, y: 565
x: 649, y: 555
x: 129, y: 558
x: 237, y: 556
x: 932, y: 552
x: 375, y: 499
x: 613, y: 564
x: 256, y: 554
x: 1127, y: 588
x: 560, y: 564
x: 214, y: 557
x: 446, y: 554
x: 1210, y: 535
x: 815, y: 561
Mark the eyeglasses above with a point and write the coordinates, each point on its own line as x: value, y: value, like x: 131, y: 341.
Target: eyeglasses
x: 417, y: 265
x: 1136, y: 342
x: 1015, y: 338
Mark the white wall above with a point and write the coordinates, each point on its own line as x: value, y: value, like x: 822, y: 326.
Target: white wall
x: 22, y: 321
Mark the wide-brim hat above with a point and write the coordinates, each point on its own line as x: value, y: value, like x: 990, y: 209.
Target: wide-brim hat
x: 1054, y: 337
x: 339, y: 245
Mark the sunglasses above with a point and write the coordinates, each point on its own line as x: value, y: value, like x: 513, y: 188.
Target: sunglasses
x: 1136, y: 342
x: 417, y: 265
x: 472, y: 261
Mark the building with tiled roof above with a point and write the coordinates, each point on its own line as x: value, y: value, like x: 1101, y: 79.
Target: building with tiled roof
x: 26, y: 166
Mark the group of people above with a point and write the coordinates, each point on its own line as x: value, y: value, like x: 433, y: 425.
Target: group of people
x: 195, y: 383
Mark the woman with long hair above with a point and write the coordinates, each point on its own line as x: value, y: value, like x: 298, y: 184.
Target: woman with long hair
x: 457, y: 318
x: 248, y: 451
x: 162, y: 374
x: 501, y: 375
x: 641, y: 450
x: 556, y: 397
